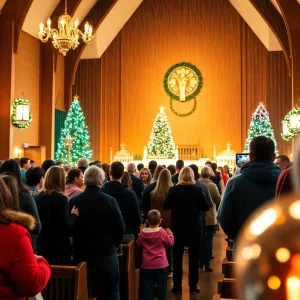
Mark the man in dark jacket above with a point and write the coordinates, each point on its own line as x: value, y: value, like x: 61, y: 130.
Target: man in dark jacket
x: 253, y: 187
x: 127, y: 200
x: 179, y: 166
x: 137, y: 183
x: 97, y: 232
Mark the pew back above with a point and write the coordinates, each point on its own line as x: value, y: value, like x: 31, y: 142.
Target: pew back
x: 68, y: 283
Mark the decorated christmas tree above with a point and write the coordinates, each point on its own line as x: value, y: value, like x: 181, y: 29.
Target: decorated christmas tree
x: 161, y: 144
x: 260, y: 125
x: 76, y: 129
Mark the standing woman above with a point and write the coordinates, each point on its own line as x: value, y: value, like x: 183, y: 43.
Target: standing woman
x: 157, y: 196
x: 145, y: 176
x: 26, y: 202
x: 188, y: 203
x: 74, y: 183
x: 53, y: 243
x: 226, y: 171
x: 22, y: 273
x: 224, y: 175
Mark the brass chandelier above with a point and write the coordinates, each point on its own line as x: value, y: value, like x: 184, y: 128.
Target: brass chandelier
x: 67, y: 35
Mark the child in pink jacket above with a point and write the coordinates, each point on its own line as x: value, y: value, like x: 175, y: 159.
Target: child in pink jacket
x: 154, y: 241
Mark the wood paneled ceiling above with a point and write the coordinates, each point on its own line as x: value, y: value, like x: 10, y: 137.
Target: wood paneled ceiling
x: 2, y: 2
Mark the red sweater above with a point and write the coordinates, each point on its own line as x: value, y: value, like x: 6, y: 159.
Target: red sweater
x: 21, y: 274
x: 284, y: 183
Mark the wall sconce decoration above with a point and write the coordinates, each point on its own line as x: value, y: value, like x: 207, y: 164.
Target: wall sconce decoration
x: 21, y: 113
x: 291, y: 124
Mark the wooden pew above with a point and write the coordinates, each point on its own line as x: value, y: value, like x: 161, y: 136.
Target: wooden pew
x: 229, y: 254
x: 67, y: 283
x: 228, y: 268
x: 129, y: 281
x: 227, y: 288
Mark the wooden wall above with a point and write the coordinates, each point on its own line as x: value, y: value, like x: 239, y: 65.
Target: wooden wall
x: 238, y: 72
x: 27, y: 80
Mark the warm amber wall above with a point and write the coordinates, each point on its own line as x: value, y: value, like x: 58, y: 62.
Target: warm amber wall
x: 205, y: 33
x: 59, y: 83
x: 238, y: 72
x: 27, y: 80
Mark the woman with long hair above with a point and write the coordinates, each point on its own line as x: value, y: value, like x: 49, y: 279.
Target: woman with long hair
x: 12, y: 186
x: 26, y: 202
x: 74, y: 183
x: 146, y: 200
x: 53, y: 242
x: 188, y: 203
x: 23, y: 274
x: 145, y: 176
x: 157, y: 196
x: 224, y: 175
x: 227, y: 171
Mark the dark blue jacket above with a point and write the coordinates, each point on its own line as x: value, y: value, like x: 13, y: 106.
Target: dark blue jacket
x: 137, y: 186
x: 99, y: 228
x: 244, y: 194
x: 128, y: 203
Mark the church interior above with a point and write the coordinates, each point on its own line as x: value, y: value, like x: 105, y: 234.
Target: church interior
x: 207, y: 65
x: 243, y: 49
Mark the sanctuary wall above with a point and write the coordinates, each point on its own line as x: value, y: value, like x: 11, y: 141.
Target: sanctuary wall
x: 121, y: 93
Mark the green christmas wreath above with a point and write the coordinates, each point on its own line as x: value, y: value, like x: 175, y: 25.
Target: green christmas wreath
x: 197, y: 72
x: 20, y: 101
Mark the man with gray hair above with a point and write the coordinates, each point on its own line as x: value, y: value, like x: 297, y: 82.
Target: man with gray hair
x: 137, y: 183
x: 210, y: 218
x: 82, y: 164
x: 97, y: 234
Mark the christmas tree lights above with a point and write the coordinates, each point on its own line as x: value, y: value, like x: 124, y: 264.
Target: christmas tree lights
x: 260, y: 125
x: 75, y: 127
x: 161, y: 144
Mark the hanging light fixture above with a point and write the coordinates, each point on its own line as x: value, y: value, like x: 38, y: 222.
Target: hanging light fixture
x: 294, y: 123
x: 291, y: 124
x: 67, y: 35
x: 286, y: 134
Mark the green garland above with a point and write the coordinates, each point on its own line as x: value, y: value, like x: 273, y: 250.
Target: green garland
x: 188, y: 65
x: 185, y: 114
x: 20, y: 101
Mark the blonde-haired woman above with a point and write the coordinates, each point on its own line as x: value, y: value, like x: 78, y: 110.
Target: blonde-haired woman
x: 188, y: 202
x: 157, y: 196
x: 53, y: 243
x: 145, y: 176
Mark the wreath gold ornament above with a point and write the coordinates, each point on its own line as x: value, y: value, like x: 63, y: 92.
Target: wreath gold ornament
x: 183, y: 82
x: 20, y: 101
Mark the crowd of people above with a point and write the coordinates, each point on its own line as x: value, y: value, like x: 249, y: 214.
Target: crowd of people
x: 54, y: 215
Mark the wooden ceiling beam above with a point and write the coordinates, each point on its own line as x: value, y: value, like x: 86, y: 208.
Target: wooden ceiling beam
x: 276, y: 23
x: 95, y: 17
x: 16, y: 11
x: 291, y: 16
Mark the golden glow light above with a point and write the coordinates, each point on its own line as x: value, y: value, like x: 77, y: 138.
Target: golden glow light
x: 265, y: 220
x: 283, y: 255
x: 294, y: 210
x: 274, y: 283
x: 293, y: 288
x: 66, y: 36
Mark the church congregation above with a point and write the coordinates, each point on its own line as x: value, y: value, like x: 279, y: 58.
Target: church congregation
x: 53, y: 215
x: 149, y: 149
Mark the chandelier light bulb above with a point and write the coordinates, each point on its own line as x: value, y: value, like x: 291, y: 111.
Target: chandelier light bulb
x: 90, y: 30
x: 49, y: 22
x: 76, y: 23
x: 42, y: 27
x: 86, y: 27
